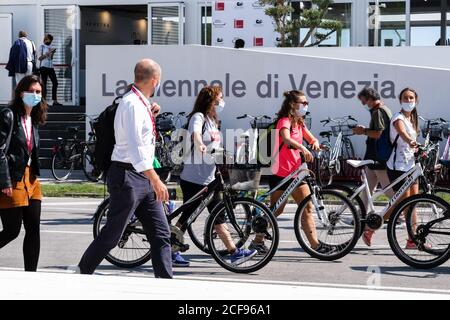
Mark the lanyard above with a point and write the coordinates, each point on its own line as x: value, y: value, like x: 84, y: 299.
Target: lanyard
x: 28, y: 136
x: 147, y: 107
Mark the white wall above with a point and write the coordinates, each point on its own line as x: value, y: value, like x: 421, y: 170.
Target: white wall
x: 193, y: 63
x: 24, y: 18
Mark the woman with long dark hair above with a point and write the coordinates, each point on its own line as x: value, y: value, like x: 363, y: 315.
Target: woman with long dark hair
x: 20, y: 197
x: 199, y: 167
x: 291, y: 131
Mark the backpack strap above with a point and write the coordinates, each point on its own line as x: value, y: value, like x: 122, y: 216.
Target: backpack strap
x: 395, y: 148
x: 192, y: 136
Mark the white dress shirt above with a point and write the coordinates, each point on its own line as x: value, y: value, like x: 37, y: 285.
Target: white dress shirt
x: 133, y: 130
x: 30, y: 48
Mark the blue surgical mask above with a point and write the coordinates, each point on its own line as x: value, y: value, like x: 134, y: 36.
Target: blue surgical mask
x: 31, y: 99
x: 220, y: 106
x: 408, y: 106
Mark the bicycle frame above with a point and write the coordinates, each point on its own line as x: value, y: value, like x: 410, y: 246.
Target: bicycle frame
x: 206, y: 195
x: 302, y: 174
x: 336, y: 151
x: 411, y: 177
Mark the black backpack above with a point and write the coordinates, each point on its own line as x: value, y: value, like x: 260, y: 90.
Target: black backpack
x: 104, y: 132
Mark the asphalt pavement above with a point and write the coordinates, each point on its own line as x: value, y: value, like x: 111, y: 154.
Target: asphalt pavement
x: 66, y: 231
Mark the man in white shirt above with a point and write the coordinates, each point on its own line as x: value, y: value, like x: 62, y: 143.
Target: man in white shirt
x: 133, y: 184
x: 30, y: 56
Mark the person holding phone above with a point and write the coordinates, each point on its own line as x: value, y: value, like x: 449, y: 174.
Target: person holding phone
x: 45, y: 56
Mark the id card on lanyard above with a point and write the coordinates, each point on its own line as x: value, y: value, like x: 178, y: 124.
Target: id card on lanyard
x: 28, y: 137
x: 147, y: 108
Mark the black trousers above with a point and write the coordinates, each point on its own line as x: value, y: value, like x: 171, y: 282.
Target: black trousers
x: 12, y: 223
x: 131, y: 192
x: 49, y: 73
x: 189, y: 190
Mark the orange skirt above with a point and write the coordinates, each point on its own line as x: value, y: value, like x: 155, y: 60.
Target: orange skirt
x: 23, y: 191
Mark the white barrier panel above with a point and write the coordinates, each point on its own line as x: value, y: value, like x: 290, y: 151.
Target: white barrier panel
x: 253, y: 82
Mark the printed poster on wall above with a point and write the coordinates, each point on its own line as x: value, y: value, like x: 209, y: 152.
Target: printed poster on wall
x: 232, y: 20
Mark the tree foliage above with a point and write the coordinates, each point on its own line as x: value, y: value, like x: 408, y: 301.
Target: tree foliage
x: 314, y: 20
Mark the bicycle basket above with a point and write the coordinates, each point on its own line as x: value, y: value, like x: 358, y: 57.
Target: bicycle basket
x: 344, y: 128
x: 244, y: 178
x: 165, y: 123
x: 435, y: 131
x: 262, y: 123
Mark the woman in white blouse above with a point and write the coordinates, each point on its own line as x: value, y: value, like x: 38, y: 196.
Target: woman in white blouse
x: 404, y: 131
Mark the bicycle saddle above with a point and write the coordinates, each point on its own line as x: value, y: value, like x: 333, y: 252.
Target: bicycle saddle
x: 359, y: 163
x: 326, y: 134
x: 73, y: 129
x: 445, y: 163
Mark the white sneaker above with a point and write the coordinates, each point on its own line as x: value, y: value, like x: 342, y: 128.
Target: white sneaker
x: 75, y: 269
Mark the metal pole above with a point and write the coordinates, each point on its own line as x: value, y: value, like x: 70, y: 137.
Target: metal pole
x: 443, y: 22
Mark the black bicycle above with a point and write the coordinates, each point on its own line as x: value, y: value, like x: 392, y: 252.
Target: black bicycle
x: 75, y: 153
x: 242, y: 217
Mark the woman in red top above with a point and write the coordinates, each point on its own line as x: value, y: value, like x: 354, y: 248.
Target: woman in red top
x: 292, y: 131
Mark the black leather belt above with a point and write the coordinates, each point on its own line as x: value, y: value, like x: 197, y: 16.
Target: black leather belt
x: 125, y: 165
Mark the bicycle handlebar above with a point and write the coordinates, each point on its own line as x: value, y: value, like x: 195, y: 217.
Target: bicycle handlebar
x: 339, y: 121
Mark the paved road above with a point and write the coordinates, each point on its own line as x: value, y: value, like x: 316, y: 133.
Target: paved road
x: 67, y: 231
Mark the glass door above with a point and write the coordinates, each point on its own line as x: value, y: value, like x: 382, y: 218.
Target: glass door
x: 388, y: 23
x: 62, y: 22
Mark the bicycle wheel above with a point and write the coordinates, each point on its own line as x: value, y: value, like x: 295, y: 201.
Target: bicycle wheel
x: 356, y: 201
x: 442, y: 193
x: 251, y: 217
x: 421, y: 237
x: 62, y: 166
x: 197, y: 229
x: 337, y: 236
x: 133, y: 249
x: 324, y: 172
x: 88, y: 165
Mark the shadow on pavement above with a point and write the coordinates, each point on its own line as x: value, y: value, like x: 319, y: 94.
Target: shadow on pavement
x: 407, y: 271
x: 57, y: 222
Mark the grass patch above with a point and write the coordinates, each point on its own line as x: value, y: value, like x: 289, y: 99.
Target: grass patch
x: 95, y: 190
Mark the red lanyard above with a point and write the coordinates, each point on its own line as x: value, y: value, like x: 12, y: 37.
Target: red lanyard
x: 28, y: 137
x: 147, y: 107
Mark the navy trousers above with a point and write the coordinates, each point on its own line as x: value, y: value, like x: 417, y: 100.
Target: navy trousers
x: 131, y: 192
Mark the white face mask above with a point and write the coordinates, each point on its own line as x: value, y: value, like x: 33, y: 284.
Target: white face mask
x: 301, y: 112
x: 220, y: 106
x: 408, y: 106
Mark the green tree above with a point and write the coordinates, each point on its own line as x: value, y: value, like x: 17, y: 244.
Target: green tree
x: 314, y: 20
